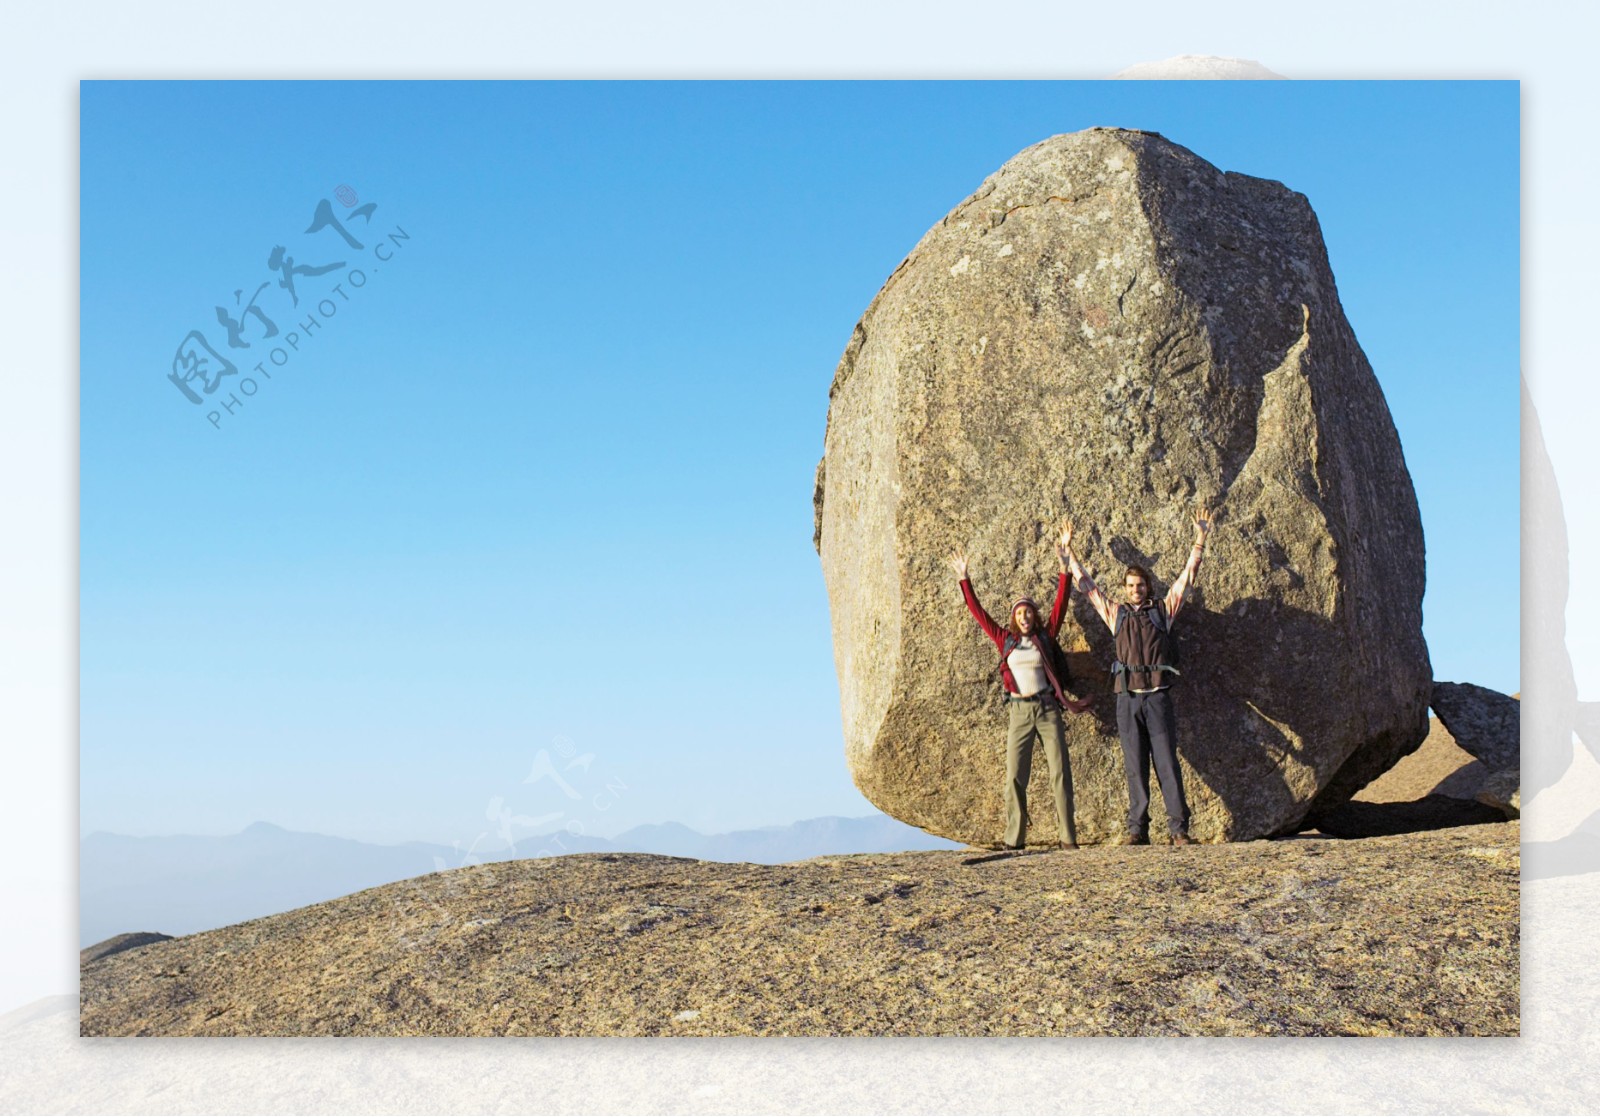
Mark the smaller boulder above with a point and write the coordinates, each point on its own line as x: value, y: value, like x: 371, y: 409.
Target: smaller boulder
x: 1488, y: 725
x: 1503, y: 791
x: 1485, y: 722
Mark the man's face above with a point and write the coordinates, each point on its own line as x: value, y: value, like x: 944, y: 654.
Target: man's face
x: 1024, y: 619
x: 1136, y: 590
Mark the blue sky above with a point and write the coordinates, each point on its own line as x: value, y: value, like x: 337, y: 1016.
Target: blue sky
x: 524, y: 491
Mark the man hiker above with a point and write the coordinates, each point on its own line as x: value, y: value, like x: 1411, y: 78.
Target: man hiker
x: 1144, y: 671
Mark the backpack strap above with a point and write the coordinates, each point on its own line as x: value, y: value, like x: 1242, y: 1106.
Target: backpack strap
x: 1058, y: 655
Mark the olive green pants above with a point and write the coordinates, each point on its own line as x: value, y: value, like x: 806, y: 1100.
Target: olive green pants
x: 1030, y: 722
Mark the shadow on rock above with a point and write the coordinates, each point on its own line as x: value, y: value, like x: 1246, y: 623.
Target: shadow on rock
x: 1356, y: 819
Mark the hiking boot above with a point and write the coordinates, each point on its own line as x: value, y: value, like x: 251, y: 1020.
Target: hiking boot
x: 1131, y: 840
x: 1069, y: 845
x: 1182, y: 840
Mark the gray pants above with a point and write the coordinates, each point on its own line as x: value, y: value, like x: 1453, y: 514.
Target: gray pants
x: 1041, y: 721
x: 1148, y: 728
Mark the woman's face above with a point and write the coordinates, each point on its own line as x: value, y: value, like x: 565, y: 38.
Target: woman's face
x: 1024, y: 618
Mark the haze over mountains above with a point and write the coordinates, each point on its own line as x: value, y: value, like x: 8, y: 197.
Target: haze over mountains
x: 180, y: 884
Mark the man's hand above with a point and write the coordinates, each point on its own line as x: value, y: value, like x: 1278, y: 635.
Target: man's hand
x: 1202, y: 525
x: 958, y: 562
x: 1064, y: 545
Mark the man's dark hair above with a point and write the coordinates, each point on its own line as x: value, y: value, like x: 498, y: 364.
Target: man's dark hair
x: 1149, y: 582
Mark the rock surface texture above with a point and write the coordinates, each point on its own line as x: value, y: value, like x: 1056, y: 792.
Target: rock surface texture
x: 1411, y: 935
x: 1112, y: 328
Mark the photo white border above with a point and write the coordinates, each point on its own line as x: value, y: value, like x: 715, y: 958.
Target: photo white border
x: 44, y: 1067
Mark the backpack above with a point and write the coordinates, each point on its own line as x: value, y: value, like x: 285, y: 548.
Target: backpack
x: 1161, y: 622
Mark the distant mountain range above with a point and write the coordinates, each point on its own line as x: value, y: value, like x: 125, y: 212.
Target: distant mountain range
x: 184, y: 883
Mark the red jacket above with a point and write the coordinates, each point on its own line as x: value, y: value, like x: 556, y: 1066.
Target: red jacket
x: 999, y: 632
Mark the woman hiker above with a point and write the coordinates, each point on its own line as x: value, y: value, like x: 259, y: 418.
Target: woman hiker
x: 1034, y: 673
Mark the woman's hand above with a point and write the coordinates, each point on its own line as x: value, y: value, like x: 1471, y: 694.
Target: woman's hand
x: 1078, y: 705
x: 958, y: 562
x: 1202, y: 525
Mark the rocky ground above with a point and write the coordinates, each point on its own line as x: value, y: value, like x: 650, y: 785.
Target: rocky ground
x: 1414, y: 934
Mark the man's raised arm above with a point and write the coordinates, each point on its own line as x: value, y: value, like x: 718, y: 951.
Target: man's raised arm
x: 1084, y: 582
x: 1180, y: 588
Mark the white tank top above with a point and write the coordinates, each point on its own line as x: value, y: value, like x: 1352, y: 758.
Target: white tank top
x: 1027, y: 667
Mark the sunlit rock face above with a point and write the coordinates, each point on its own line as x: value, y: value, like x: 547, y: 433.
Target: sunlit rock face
x: 1113, y: 329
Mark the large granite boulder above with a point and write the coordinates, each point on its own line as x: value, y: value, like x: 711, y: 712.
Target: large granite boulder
x: 1112, y: 328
